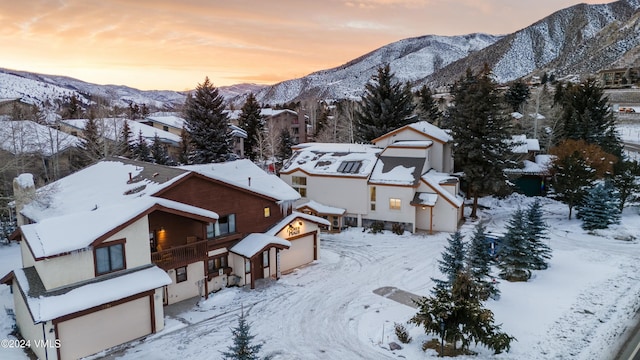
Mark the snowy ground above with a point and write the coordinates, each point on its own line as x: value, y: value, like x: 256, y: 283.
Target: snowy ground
x: 574, y: 310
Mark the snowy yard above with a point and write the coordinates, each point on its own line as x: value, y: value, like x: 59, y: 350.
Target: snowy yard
x: 574, y: 310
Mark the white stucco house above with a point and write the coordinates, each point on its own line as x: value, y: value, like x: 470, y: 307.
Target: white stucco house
x: 402, y: 177
x: 104, y: 249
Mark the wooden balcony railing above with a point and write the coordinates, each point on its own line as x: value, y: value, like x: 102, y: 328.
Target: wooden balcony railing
x: 179, y: 256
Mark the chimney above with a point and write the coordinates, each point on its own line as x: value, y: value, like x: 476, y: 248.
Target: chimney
x: 24, y: 191
x: 249, y: 181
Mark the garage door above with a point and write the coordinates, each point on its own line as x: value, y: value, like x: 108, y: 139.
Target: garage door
x: 100, y: 330
x: 300, y: 253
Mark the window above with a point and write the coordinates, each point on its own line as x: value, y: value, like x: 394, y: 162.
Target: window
x: 349, y: 167
x: 372, y: 198
x: 165, y: 128
x: 224, y: 226
x: 395, y: 204
x: 216, y: 263
x: 267, y: 211
x: 265, y: 259
x: 181, y: 274
x: 109, y: 258
x: 299, y: 183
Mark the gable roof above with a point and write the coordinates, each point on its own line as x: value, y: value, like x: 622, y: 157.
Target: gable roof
x: 422, y: 127
x: 327, y: 159
x: 28, y: 137
x: 275, y: 229
x: 77, y: 231
x: 113, y: 128
x: 48, y: 305
x: 246, y: 175
x: 321, y: 208
x: 434, y: 179
x: 253, y: 244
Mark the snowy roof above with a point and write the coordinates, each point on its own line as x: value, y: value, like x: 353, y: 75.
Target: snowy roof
x: 25, y: 180
x: 393, y: 170
x: 169, y: 120
x: 276, y: 228
x: 113, y: 127
x: 49, y: 305
x: 26, y: 137
x: 254, y: 243
x: 524, y: 145
x: 424, y: 199
x: 267, y: 112
x: 539, y: 167
x: 237, y: 131
x: 103, y: 184
x: 333, y: 159
x: 412, y: 143
x: 321, y: 208
x: 52, y: 236
x: 432, y: 130
x: 516, y: 115
x: 435, y: 180
x: 423, y: 127
x: 247, y: 175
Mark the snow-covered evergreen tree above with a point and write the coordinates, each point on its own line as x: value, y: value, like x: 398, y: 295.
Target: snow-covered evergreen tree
x: 600, y: 208
x: 159, y: 153
x: 125, y: 147
x: 481, y: 135
x: 515, y: 258
x: 478, y: 262
x: 452, y: 261
x: 385, y: 106
x: 460, y: 311
x: 92, y: 148
x: 207, y: 124
x: 517, y: 94
x: 538, y: 249
x: 428, y: 106
x: 141, y: 149
x: 242, y: 349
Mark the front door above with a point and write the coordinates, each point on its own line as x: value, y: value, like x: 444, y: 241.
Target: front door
x: 257, y: 271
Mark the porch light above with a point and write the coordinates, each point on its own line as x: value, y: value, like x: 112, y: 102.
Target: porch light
x: 299, y: 223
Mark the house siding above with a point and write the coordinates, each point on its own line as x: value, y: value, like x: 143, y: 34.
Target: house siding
x: 54, y: 272
x: 224, y: 200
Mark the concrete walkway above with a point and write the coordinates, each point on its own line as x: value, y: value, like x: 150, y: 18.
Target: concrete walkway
x: 395, y: 294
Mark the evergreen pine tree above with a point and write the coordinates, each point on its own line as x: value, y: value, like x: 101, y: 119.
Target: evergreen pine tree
x: 284, y: 145
x: 587, y: 116
x: 159, y: 153
x: 242, y: 348
x: 428, y: 106
x: 626, y: 181
x: 460, y: 311
x: 207, y: 124
x: 480, y: 130
x: 515, y: 259
x: 537, y: 235
x: 478, y: 263
x: 600, y: 208
x: 517, y: 94
x: 385, y: 106
x: 125, y: 148
x: 184, y: 147
x: 91, y: 149
x: 141, y: 149
x: 452, y: 261
x: 252, y: 122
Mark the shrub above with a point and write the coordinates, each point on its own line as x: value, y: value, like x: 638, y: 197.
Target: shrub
x: 402, y: 333
x: 376, y: 227
x: 397, y: 228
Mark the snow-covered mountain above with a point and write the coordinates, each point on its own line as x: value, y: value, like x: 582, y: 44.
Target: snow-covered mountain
x: 39, y: 89
x: 410, y: 59
x: 579, y: 40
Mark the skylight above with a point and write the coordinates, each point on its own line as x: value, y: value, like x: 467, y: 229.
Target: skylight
x: 350, y: 167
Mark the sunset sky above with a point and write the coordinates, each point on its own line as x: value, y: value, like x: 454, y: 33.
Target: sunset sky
x: 173, y: 45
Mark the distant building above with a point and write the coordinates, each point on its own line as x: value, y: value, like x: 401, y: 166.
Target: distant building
x: 620, y: 77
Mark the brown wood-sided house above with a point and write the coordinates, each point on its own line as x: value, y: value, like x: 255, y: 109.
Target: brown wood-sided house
x: 113, y: 243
